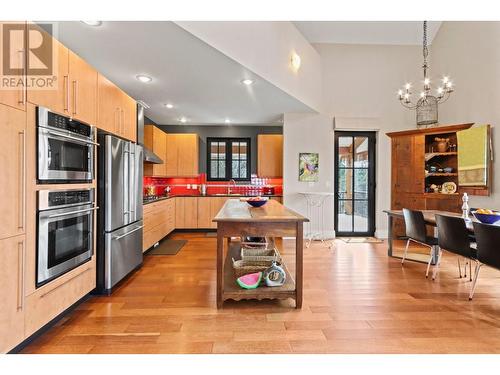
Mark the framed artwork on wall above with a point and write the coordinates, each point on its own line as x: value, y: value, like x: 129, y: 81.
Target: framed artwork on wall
x: 308, y: 166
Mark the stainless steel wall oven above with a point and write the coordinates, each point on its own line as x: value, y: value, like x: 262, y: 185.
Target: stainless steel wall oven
x: 65, y: 227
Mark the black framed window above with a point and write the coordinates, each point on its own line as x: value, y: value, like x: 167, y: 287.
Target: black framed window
x: 228, y: 158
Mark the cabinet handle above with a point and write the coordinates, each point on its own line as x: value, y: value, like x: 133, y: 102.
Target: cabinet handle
x: 22, y: 181
x: 66, y: 92
x: 75, y: 91
x: 22, y: 99
x: 20, y: 276
x: 64, y: 283
x: 122, y: 121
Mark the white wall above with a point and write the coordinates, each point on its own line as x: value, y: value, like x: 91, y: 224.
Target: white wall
x: 307, y: 132
x: 265, y: 48
x: 469, y: 53
x: 360, y: 84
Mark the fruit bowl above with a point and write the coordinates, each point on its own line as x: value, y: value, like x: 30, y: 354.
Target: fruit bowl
x: 257, y: 201
x: 486, y: 216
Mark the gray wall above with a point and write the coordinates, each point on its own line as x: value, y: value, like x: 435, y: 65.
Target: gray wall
x: 205, y: 131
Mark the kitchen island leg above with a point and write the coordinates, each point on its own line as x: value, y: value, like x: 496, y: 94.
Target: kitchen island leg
x: 220, y: 267
x: 299, y: 266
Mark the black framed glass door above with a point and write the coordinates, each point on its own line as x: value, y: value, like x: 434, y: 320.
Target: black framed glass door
x: 354, y: 183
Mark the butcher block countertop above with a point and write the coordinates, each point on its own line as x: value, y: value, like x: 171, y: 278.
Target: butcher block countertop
x: 235, y: 210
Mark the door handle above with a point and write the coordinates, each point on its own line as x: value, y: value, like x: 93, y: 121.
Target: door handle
x: 22, y: 180
x: 75, y: 99
x: 20, y: 275
x: 73, y: 212
x: 22, y: 99
x: 66, y: 93
x: 126, y: 234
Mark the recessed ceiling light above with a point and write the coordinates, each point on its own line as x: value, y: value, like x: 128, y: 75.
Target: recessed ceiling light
x: 183, y: 119
x: 169, y: 105
x: 227, y: 121
x: 144, y: 78
x: 247, y: 81
x: 92, y: 23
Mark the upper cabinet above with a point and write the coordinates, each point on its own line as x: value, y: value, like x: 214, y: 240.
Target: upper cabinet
x: 270, y: 155
x: 83, y: 90
x: 156, y: 140
x: 58, y: 97
x: 182, y: 155
x: 116, y: 111
x: 15, y: 97
x: 75, y: 86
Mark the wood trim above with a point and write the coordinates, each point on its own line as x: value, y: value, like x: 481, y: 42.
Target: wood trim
x: 438, y: 129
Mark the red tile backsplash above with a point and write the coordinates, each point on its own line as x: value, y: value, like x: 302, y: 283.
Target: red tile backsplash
x: 179, y: 185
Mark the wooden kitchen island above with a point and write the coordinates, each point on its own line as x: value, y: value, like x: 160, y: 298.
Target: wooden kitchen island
x: 236, y: 219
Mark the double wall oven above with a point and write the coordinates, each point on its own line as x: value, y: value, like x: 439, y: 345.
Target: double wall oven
x: 65, y: 149
x: 65, y: 214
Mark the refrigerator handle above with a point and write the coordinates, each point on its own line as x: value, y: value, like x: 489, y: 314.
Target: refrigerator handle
x: 126, y: 185
x: 132, y: 182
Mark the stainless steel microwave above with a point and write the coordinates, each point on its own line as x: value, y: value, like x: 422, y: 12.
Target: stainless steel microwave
x: 65, y: 149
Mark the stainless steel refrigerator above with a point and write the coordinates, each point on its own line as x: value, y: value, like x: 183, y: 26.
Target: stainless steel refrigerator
x: 119, y: 247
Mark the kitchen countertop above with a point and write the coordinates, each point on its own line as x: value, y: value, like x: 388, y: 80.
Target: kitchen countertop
x: 208, y: 196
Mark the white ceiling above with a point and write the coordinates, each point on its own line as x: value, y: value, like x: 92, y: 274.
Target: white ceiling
x: 203, y: 84
x: 367, y: 32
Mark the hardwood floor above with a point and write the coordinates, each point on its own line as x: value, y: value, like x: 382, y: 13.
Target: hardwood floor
x: 356, y: 300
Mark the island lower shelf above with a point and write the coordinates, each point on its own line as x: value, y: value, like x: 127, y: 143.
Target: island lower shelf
x: 233, y: 291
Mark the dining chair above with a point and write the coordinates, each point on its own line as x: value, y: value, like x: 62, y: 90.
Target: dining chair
x: 453, y: 236
x: 488, y: 240
x: 417, y: 232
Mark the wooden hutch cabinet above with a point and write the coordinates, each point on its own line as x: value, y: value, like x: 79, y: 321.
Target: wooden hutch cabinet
x: 413, y: 153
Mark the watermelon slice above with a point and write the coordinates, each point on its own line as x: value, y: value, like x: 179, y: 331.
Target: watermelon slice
x: 250, y: 281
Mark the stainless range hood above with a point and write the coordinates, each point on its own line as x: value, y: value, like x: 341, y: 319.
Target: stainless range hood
x: 149, y: 156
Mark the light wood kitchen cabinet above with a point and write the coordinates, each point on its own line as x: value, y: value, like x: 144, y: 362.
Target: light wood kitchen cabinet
x: 270, y: 155
x: 208, y: 208
x: 186, y: 212
x: 12, y: 171
x: 12, y: 308
x: 56, y: 98
x: 129, y: 117
x: 156, y: 140
x: 15, y: 97
x: 47, y: 303
x: 108, y: 106
x: 116, y: 111
x: 182, y: 155
x: 76, y: 91
x: 159, y: 221
x: 83, y: 89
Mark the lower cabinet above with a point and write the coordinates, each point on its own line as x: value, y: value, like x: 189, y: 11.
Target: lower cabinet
x: 208, y: 207
x: 12, y: 307
x: 159, y: 221
x: 186, y: 212
x: 49, y: 301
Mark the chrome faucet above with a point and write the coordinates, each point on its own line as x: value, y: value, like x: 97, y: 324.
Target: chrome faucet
x: 229, y: 186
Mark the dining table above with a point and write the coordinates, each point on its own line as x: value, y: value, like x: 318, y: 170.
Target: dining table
x: 429, y: 218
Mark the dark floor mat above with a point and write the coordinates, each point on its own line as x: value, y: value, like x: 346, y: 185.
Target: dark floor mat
x: 168, y: 247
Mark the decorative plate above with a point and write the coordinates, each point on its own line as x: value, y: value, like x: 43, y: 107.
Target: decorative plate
x: 449, y: 188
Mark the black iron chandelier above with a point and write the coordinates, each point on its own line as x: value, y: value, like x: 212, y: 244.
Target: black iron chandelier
x: 427, y: 104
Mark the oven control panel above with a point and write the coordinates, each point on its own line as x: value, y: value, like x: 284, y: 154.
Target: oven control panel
x: 61, y: 122
x: 49, y: 199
